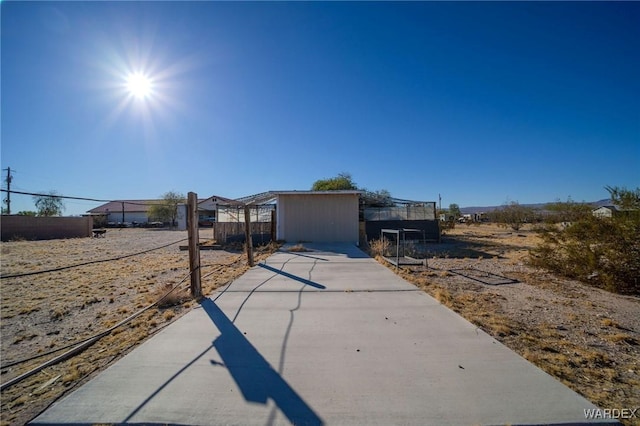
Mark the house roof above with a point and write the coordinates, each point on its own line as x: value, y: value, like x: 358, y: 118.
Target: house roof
x: 612, y: 208
x: 143, y: 206
x: 270, y: 196
x: 220, y: 200
x: 337, y: 192
x: 129, y: 206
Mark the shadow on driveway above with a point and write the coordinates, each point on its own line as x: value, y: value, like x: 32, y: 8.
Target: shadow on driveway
x: 257, y: 380
x: 293, y: 277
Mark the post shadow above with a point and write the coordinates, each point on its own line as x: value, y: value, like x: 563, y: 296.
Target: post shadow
x: 492, y: 279
x: 293, y: 277
x: 303, y: 255
x: 255, y: 377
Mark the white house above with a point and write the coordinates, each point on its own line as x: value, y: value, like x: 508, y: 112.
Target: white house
x: 125, y: 211
x: 210, y: 210
x: 605, y: 211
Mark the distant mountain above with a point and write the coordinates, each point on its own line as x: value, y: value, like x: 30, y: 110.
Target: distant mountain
x: 539, y: 206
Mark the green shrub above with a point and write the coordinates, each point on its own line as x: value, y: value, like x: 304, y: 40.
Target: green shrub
x: 603, y: 252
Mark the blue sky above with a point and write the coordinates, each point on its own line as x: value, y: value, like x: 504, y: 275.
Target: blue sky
x: 483, y: 103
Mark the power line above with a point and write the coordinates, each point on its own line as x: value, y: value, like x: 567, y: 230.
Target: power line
x: 57, y: 196
x: 67, y: 197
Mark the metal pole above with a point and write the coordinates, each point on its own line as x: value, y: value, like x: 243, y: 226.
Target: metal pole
x: 397, y: 249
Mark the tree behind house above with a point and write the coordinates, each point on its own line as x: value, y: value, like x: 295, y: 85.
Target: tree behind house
x: 343, y: 181
x: 166, y: 210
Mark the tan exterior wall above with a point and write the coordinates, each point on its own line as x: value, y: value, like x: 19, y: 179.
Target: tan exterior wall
x: 318, y: 218
x: 45, y: 228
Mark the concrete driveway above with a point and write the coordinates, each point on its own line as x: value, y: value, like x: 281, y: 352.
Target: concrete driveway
x: 322, y: 337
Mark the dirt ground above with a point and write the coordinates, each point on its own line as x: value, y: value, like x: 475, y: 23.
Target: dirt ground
x: 42, y: 313
x: 587, y: 338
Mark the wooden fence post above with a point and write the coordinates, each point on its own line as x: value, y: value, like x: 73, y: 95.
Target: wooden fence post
x: 194, y: 249
x: 247, y: 234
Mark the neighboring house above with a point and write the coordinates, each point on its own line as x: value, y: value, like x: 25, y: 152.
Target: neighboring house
x: 605, y: 211
x: 613, y: 211
x: 125, y: 211
x: 210, y: 210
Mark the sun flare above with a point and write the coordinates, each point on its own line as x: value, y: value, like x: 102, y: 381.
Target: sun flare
x: 139, y: 85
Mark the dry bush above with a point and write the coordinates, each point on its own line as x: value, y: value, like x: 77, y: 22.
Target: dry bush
x: 175, y: 297
x: 378, y: 247
x: 601, y: 252
x: 298, y: 248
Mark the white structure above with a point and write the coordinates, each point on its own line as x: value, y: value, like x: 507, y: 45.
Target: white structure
x: 181, y: 218
x: 605, y: 211
x: 317, y: 216
x: 208, y: 211
x: 125, y: 211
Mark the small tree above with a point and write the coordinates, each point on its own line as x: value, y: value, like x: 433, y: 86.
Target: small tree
x: 166, y: 210
x: 49, y: 205
x: 454, y: 210
x: 343, y: 181
x: 27, y: 213
x: 624, y: 198
x: 513, y: 215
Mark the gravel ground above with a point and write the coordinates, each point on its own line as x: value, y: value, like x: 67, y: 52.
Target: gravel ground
x: 46, y: 312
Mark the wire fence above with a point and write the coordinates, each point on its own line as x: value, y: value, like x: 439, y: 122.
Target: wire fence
x: 119, y: 290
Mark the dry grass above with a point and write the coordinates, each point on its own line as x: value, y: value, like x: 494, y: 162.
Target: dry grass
x: 40, y: 313
x: 298, y: 248
x: 378, y: 247
x: 587, y: 338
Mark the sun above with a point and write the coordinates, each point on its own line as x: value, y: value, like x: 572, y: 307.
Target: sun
x: 139, y: 85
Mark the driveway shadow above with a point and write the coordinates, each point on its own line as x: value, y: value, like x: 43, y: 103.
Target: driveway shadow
x: 254, y: 376
x: 293, y: 277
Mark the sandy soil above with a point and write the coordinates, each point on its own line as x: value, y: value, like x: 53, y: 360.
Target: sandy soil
x: 45, y: 312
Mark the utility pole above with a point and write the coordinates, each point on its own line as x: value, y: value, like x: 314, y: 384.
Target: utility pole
x: 8, y: 180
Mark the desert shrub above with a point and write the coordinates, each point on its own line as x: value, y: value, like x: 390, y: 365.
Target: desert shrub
x: 378, y: 247
x: 176, y: 297
x: 603, y: 252
x: 513, y: 215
